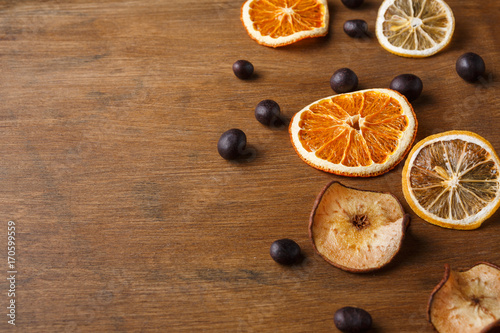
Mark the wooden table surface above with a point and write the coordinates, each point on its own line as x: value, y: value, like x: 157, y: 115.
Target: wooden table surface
x: 126, y: 217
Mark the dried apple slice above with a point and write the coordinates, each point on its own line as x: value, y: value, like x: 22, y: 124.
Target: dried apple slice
x: 357, y: 230
x: 467, y: 301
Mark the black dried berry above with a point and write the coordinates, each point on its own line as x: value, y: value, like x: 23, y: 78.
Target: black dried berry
x: 267, y: 112
x: 344, y: 80
x: 285, y: 251
x: 243, y: 69
x: 356, y: 28
x: 352, y: 3
x: 470, y: 66
x: 352, y: 320
x: 232, y: 144
x: 409, y: 85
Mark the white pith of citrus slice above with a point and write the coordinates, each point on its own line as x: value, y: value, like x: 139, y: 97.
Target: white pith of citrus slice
x: 414, y: 28
x: 360, y: 134
x: 281, y: 22
x: 452, y: 180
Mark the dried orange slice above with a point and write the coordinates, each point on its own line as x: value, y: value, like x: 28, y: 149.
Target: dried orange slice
x: 451, y: 179
x: 357, y: 230
x: 467, y: 301
x: 414, y: 28
x: 281, y: 22
x: 364, y: 133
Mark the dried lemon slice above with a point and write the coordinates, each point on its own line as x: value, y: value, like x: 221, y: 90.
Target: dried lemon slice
x: 452, y: 180
x: 414, y: 28
x: 276, y: 22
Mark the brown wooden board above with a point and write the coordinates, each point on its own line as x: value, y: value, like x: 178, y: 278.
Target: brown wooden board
x: 127, y: 219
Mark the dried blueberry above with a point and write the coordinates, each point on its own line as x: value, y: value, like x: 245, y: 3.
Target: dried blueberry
x: 285, y: 251
x: 232, y: 144
x: 470, y: 66
x: 356, y: 28
x: 344, y: 80
x: 407, y: 84
x: 267, y: 112
x: 352, y: 3
x: 352, y: 320
x: 243, y: 69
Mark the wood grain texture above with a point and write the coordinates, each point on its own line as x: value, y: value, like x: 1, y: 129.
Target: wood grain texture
x: 127, y: 217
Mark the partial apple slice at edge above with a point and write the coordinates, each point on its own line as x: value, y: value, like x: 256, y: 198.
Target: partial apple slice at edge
x: 467, y: 301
